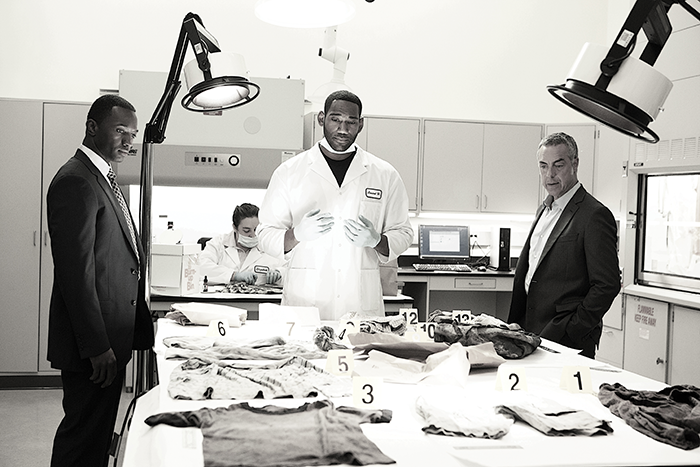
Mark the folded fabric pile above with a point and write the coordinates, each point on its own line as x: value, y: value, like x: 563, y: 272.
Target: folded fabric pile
x: 509, y: 340
x: 198, y: 379
x: 245, y: 288
x: 554, y: 419
x: 273, y: 348
x: 671, y: 415
x: 325, y: 339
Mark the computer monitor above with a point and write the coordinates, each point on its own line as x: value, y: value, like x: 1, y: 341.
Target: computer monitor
x: 448, y: 243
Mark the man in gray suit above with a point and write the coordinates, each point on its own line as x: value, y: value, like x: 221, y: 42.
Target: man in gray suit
x: 568, y: 273
x: 98, y: 313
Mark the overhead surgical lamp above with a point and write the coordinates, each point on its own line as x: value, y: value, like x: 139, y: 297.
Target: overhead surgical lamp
x: 617, y: 90
x: 216, y: 81
x: 305, y: 13
x: 339, y: 58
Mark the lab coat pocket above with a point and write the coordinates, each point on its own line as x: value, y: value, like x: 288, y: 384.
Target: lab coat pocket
x: 301, y: 287
x: 370, y: 290
x: 372, y: 210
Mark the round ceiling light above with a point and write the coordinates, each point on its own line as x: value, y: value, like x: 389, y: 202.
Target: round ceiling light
x: 305, y: 13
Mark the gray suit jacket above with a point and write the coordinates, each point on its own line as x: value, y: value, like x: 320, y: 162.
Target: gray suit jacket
x: 97, y: 301
x: 576, y: 280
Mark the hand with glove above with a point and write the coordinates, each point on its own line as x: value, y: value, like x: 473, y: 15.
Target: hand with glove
x: 362, y: 233
x: 313, y: 225
x: 244, y: 276
x: 273, y: 276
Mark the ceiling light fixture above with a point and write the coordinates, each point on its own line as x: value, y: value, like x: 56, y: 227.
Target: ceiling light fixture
x: 305, y: 13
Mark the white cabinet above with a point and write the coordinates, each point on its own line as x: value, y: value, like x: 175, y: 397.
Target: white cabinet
x: 611, y: 348
x: 64, y: 130
x: 397, y: 141
x: 646, y: 337
x: 394, y: 139
x: 20, y: 204
x: 452, y: 158
x: 480, y: 167
x: 684, y: 348
x: 41, y: 136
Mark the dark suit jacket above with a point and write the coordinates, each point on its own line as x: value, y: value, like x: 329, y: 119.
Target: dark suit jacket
x: 577, y: 279
x: 97, y: 301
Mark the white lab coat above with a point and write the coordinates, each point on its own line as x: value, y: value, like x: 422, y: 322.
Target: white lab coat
x: 331, y: 273
x: 220, y: 259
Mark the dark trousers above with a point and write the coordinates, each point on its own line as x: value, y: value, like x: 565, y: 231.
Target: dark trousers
x: 90, y: 412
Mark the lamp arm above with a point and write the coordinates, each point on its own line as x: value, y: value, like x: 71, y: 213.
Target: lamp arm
x: 689, y: 9
x: 626, y: 38
x: 192, y: 31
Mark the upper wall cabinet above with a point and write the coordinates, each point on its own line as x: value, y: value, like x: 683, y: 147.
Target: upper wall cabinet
x: 480, y: 167
x: 394, y: 139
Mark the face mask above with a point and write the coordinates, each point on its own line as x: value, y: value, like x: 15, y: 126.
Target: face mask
x: 248, y: 242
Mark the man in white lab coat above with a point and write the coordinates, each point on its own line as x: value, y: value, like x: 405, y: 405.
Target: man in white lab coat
x: 335, y: 211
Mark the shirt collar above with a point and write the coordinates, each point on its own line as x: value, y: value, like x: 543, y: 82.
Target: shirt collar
x: 101, y: 164
x: 566, y: 197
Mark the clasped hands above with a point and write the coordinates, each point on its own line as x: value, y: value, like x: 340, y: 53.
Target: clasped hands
x: 315, y: 224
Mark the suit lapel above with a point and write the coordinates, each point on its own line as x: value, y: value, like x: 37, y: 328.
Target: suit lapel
x: 566, y: 216
x: 107, y: 188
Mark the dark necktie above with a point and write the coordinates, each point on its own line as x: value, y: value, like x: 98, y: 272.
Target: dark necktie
x: 122, y: 203
x: 548, y: 201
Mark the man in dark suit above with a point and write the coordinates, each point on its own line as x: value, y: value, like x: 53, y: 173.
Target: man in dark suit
x: 568, y: 273
x: 98, y: 313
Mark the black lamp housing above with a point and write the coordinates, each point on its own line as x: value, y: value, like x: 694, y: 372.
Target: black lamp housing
x: 594, y: 98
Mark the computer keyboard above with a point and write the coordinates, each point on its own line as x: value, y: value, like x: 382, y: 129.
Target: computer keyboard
x: 442, y: 267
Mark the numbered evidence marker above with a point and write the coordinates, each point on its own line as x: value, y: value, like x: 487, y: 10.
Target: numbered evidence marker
x: 340, y: 362
x: 347, y: 327
x: 576, y: 379
x: 368, y: 392
x: 511, y: 379
x: 462, y: 316
x: 410, y: 314
x: 218, y: 328
x: 423, y: 332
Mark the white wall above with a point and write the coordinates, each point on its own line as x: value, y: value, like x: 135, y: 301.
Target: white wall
x: 483, y: 60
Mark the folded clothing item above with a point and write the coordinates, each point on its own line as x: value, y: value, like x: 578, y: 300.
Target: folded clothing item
x: 552, y: 418
x: 395, y: 324
x: 509, y: 340
x: 671, y: 416
x: 461, y: 417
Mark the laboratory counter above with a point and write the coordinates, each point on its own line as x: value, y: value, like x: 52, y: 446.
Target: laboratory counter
x: 542, y: 375
x: 486, y: 291
x: 160, y: 304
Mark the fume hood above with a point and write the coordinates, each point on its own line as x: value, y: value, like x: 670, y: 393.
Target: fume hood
x: 238, y: 148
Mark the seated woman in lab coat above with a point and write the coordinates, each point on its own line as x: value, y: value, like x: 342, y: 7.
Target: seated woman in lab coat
x: 232, y: 257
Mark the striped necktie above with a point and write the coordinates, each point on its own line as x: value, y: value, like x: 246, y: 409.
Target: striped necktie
x: 122, y: 203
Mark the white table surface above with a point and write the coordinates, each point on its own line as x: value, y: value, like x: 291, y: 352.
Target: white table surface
x: 403, y: 440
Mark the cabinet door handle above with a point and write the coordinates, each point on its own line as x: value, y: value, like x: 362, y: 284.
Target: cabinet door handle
x: 659, y: 361
x: 46, y: 238
x: 477, y: 201
x: 486, y: 201
x: 34, y: 239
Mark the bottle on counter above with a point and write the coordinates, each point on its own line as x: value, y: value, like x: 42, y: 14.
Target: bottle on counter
x: 205, y: 285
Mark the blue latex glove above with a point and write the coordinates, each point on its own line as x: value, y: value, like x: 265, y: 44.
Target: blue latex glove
x: 362, y: 233
x: 313, y: 225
